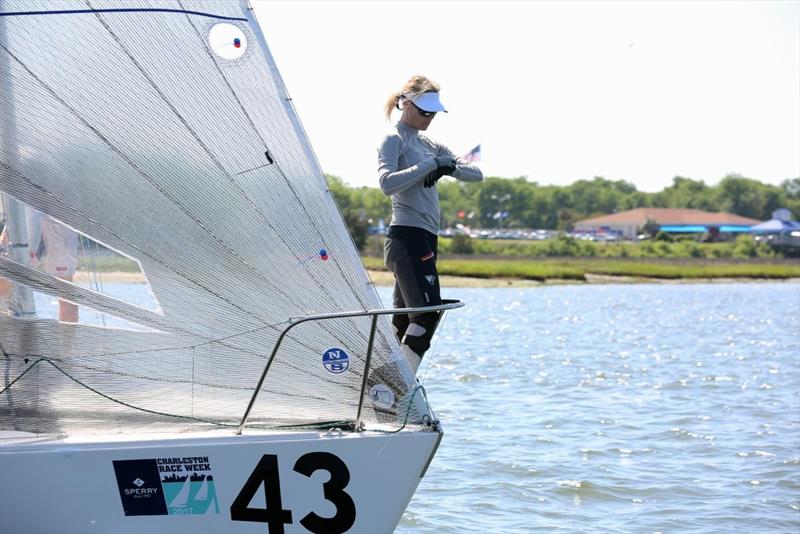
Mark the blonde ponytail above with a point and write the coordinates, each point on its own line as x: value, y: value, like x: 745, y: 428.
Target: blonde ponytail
x: 392, y: 103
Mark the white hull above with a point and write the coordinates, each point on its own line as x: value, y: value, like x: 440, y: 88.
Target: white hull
x: 354, y: 482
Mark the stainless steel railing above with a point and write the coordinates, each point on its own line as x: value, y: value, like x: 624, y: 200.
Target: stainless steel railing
x: 447, y: 305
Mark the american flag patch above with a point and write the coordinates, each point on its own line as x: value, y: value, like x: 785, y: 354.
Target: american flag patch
x: 426, y: 257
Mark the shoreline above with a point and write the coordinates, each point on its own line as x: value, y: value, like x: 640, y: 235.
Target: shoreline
x: 386, y: 279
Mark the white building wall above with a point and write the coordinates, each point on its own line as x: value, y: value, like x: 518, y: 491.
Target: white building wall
x: 628, y: 230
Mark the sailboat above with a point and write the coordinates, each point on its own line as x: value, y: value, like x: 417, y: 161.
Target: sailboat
x: 161, y: 133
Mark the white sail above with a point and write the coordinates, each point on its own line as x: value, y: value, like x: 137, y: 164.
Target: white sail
x: 179, y: 501
x: 202, y: 493
x: 162, y: 130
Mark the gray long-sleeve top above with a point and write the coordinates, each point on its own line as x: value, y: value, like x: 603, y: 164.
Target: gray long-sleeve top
x: 405, y: 158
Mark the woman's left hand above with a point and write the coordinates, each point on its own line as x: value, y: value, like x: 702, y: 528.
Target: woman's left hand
x: 445, y: 166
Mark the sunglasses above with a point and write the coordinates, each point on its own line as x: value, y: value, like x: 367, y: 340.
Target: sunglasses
x: 423, y: 112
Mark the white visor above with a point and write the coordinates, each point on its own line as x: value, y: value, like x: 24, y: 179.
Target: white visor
x: 428, y: 102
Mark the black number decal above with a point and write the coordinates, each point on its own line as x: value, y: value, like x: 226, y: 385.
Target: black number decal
x: 333, y: 491
x: 273, y: 515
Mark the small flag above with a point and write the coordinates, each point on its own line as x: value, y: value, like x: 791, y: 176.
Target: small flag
x: 474, y: 155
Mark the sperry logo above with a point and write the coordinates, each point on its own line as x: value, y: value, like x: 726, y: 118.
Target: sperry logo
x: 430, y: 278
x: 139, y: 482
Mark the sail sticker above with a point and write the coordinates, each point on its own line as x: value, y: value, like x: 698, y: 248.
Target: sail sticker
x: 166, y: 486
x: 321, y: 254
x: 381, y: 396
x: 336, y: 360
x: 227, y: 40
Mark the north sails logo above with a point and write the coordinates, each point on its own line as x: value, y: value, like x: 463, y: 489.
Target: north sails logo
x: 336, y: 360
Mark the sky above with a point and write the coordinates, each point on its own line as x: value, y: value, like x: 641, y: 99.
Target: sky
x: 553, y: 91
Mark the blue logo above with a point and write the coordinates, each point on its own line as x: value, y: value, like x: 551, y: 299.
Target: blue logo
x: 336, y: 360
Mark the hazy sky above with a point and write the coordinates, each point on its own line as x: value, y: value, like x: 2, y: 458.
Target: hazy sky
x: 555, y: 91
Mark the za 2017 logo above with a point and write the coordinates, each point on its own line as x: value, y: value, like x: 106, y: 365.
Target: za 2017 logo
x: 266, y: 473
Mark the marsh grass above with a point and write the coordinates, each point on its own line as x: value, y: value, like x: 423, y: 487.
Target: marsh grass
x: 108, y: 264
x: 577, y: 268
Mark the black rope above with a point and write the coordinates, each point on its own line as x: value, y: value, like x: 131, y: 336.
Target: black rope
x: 320, y: 425
x: 117, y: 10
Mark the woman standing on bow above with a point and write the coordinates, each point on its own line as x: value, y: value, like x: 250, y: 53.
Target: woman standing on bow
x: 409, y: 167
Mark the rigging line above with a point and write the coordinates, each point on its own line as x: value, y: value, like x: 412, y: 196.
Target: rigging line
x: 98, y: 276
x: 92, y: 276
x: 222, y: 169
x: 220, y: 341
x: 46, y: 360
x: 6, y: 378
x: 127, y: 405
x: 433, y: 348
x: 193, y: 382
x: 171, y: 381
x: 253, y: 169
x: 277, y: 166
x: 292, y: 394
x: 117, y: 10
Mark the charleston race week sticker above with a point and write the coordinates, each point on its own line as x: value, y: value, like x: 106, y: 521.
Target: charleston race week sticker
x: 166, y: 486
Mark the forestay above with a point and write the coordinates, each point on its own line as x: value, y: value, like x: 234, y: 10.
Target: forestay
x: 162, y: 131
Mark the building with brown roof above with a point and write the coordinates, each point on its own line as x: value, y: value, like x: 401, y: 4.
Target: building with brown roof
x: 629, y: 222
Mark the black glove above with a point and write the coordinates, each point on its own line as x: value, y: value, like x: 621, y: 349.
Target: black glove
x: 444, y: 165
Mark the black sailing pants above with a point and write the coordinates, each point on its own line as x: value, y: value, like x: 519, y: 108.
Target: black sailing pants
x: 410, y: 253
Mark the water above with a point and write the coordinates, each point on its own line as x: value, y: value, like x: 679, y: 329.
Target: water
x: 615, y: 408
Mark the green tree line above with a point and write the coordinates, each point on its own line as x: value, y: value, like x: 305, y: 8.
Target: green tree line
x: 527, y: 204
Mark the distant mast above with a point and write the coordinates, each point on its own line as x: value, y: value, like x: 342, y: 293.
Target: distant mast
x: 22, y: 301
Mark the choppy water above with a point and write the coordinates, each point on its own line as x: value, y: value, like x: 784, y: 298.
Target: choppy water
x: 616, y: 408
